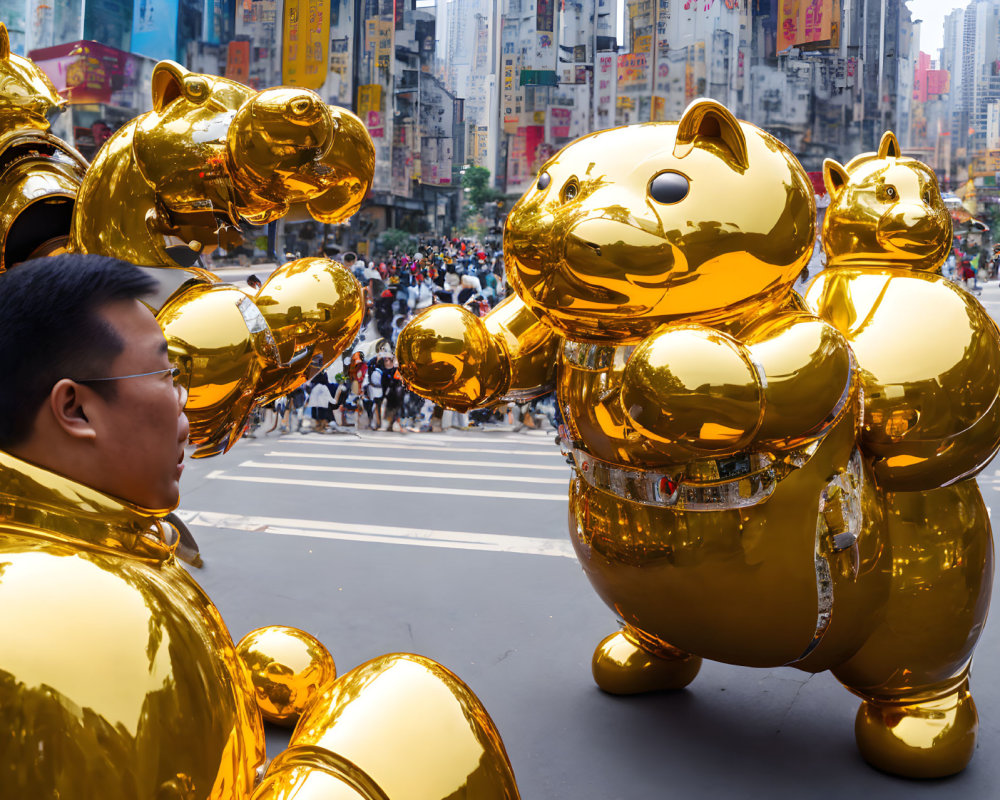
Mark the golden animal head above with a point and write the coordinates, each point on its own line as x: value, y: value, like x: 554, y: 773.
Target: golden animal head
x: 27, y: 96
x: 212, y: 154
x: 704, y: 219
x: 885, y: 210
x: 237, y: 351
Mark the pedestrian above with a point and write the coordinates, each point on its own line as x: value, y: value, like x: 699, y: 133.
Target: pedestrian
x: 320, y: 402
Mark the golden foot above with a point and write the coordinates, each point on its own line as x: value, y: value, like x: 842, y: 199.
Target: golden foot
x: 923, y: 740
x: 622, y: 666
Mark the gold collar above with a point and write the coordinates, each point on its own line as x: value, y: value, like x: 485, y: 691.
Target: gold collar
x: 43, y: 504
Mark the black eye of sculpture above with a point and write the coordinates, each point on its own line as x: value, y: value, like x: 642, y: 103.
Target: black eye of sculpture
x: 543, y: 181
x: 669, y: 187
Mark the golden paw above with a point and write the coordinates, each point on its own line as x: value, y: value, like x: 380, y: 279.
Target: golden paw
x: 923, y: 740
x: 621, y: 666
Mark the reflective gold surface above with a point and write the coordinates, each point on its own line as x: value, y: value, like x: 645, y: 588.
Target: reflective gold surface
x: 314, y: 307
x: 759, y: 480
x: 27, y: 96
x: 885, y: 209
x: 118, y: 678
x: 41, y: 173
x: 399, y: 727
x: 288, y: 669
x: 176, y: 183
x: 222, y: 344
x: 178, y: 180
x: 447, y: 354
x: 596, y: 255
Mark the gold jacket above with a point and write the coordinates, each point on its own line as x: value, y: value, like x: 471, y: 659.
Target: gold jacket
x: 118, y: 677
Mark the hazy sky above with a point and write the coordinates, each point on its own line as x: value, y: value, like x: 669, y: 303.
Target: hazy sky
x: 933, y: 12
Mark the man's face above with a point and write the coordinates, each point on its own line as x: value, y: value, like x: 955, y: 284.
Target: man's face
x: 141, y: 429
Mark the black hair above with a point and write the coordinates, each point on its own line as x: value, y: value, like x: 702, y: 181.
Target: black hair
x: 51, y: 328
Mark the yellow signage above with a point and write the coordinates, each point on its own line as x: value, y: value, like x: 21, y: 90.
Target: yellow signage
x: 306, y: 42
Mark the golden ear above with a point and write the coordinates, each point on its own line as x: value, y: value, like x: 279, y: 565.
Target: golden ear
x: 835, y: 177
x: 889, y: 146
x: 709, y: 122
x: 4, y: 42
x: 167, y: 84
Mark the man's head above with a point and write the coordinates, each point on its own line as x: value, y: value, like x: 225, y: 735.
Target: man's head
x: 67, y: 324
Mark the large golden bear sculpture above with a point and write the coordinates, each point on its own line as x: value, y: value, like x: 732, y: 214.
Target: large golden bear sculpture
x: 723, y: 502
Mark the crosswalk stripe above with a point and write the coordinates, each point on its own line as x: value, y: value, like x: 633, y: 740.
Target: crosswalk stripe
x: 352, y: 444
x: 383, y: 534
x: 463, y: 476
x: 378, y: 487
x: 397, y: 460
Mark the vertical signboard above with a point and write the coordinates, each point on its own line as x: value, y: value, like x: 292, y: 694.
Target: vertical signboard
x: 605, y: 89
x: 238, y: 62
x: 306, y: 38
x: 804, y: 22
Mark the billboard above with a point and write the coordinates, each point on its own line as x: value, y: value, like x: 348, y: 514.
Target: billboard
x: 154, y: 29
x: 238, y: 62
x: 306, y: 41
x: 803, y: 22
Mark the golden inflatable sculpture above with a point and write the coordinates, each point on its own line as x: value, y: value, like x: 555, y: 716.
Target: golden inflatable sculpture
x: 118, y: 677
x: 177, y: 182
x: 760, y: 479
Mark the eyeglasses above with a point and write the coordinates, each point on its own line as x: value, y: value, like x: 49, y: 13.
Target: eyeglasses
x: 179, y: 377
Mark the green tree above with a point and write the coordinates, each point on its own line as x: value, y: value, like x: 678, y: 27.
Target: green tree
x: 398, y: 240
x: 476, y: 182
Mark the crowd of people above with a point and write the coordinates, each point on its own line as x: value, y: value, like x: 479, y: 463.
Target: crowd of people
x: 365, y: 389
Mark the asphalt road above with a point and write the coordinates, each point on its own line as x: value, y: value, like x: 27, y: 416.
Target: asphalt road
x: 454, y: 546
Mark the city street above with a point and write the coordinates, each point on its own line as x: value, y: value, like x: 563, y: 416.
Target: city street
x: 454, y: 546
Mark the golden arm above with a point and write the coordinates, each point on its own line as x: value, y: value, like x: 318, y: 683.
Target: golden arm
x: 701, y: 393
x: 452, y: 357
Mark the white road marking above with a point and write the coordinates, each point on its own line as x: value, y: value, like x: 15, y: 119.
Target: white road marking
x: 220, y: 475
x: 389, y: 445
x: 409, y: 473
x: 419, y: 537
x: 390, y: 460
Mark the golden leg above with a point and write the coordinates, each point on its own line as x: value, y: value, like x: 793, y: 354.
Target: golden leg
x: 930, y: 739
x: 623, y: 666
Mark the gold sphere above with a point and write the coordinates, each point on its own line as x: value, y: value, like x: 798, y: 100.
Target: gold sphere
x: 288, y: 668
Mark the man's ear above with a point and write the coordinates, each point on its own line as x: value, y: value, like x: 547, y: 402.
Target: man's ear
x: 66, y: 403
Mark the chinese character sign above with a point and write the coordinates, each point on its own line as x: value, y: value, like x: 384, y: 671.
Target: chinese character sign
x: 306, y: 41
x: 803, y: 22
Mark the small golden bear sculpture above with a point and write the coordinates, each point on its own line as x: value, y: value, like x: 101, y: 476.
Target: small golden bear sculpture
x: 929, y: 363
x: 721, y: 504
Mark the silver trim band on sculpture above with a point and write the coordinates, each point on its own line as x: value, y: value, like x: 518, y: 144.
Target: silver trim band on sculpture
x: 758, y: 475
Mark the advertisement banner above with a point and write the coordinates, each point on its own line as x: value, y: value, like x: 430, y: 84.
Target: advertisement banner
x: 83, y: 72
x: 306, y: 40
x: 803, y: 22
x: 633, y: 75
x: 383, y: 45
x: 369, y: 99
x: 605, y: 89
x: 559, y: 121
x: 238, y: 62
x: 154, y: 29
